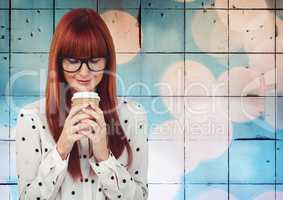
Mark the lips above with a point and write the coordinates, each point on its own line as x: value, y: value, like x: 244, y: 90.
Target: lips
x: 83, y: 81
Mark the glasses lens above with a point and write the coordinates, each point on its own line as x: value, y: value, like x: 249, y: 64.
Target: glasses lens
x: 96, y: 64
x: 71, y: 64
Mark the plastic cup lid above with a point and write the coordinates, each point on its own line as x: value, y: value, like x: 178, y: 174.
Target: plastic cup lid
x: 92, y: 95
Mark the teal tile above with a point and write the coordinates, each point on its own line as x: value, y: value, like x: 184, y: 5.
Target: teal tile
x: 4, y: 31
x: 260, y: 126
x: 32, y: 4
x: 128, y: 77
x: 172, y: 4
x: 279, y: 117
x: 4, y: 73
x: 206, y: 191
x: 161, y: 33
x: 4, y: 118
x: 211, y: 4
x: 16, y: 104
x: 216, y: 63
x: 157, y: 69
x: 28, y: 74
x: 4, y: 4
x: 5, y: 166
x: 205, y: 32
x: 248, y: 191
x: 59, y: 14
x: 279, y: 74
x: 31, y: 30
x: 279, y: 161
x: 252, y: 161
x: 208, y: 171
x: 75, y: 3
x: 119, y: 4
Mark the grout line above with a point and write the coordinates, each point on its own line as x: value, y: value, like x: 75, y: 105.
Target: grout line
x: 275, y: 102
x: 9, y: 83
x: 184, y: 110
x: 228, y: 121
x: 156, y: 52
x: 134, y: 8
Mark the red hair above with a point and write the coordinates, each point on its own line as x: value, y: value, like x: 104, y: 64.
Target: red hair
x: 82, y: 33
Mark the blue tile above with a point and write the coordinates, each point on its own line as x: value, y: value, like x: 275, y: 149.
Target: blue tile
x: 119, y: 4
x: 129, y: 85
x: 32, y: 4
x: 32, y: 30
x: 279, y: 114
x: 216, y: 63
x: 247, y: 192
x: 206, y: 191
x: 252, y: 162
x: 262, y: 127
x: 163, y: 4
x: 203, y: 32
x: 153, y: 67
x: 4, y: 31
x: 28, y: 74
x: 5, y: 166
x: 210, y: 171
x: 59, y: 14
x: 157, y: 113
x: 161, y: 33
x: 4, y: 74
x: 279, y: 161
x: 4, y: 118
x: 16, y: 104
x: 75, y: 3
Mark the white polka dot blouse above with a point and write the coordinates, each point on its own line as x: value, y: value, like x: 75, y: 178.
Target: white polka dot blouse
x: 43, y: 175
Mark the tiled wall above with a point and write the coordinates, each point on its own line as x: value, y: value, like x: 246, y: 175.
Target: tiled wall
x: 208, y: 72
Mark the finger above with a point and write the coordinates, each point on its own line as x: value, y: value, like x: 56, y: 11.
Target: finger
x: 77, y: 118
x: 78, y: 136
x: 90, y: 112
x: 75, y: 109
x: 88, y: 134
x: 96, y: 108
x: 95, y: 127
x: 97, y: 116
x: 79, y: 127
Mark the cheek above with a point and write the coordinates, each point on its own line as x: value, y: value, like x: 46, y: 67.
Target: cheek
x: 97, y: 77
x: 69, y: 79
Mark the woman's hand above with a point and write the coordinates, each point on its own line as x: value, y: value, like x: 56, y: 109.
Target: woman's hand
x: 71, y: 131
x: 98, y: 135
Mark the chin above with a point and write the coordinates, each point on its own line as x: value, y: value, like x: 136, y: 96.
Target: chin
x: 83, y: 88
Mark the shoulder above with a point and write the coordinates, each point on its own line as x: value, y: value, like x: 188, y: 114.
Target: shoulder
x: 130, y: 109
x: 35, y: 108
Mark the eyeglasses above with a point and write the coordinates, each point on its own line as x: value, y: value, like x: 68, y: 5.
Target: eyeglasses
x: 73, y: 65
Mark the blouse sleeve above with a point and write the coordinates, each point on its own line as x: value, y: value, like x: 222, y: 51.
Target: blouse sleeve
x: 117, y: 181
x: 39, y: 176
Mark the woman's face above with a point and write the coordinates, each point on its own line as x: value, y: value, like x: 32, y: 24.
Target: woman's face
x: 84, y: 79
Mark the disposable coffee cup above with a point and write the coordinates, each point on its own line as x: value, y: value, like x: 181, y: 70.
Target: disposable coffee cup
x: 80, y: 98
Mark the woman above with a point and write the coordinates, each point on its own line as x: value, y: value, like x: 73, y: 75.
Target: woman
x: 56, y: 157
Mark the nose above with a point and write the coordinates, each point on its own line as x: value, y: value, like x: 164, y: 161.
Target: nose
x: 84, y: 70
